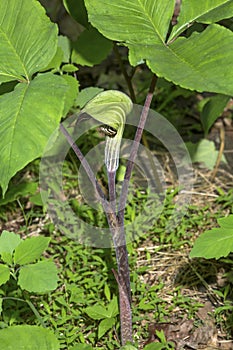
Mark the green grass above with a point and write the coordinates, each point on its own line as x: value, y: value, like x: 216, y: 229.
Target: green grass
x: 86, y: 278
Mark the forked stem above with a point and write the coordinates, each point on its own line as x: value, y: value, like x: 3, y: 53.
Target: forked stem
x: 134, y: 150
x: 122, y: 276
x: 116, y: 220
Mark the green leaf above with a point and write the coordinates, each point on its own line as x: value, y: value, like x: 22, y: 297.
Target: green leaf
x: 113, y: 307
x: 69, y: 68
x: 28, y: 39
x: 128, y: 347
x: 65, y: 45
x: 19, y: 190
x: 226, y: 222
x: 1, y: 300
x: 39, y: 278
x: 77, y: 9
x: 30, y: 249
x: 27, y: 338
x: 71, y: 93
x: 212, y: 109
x: 91, y: 48
x: 134, y: 21
x: 86, y: 95
x: 97, y: 312
x: 121, y: 173
x: 200, y: 60
x: 208, y: 11
x: 105, y: 325
x: 203, y: 152
x: 4, y: 274
x: 110, y: 108
x: 107, y: 292
x: 82, y: 347
x: 195, y: 71
x: 62, y: 54
x: 8, y: 242
x: 215, y: 243
x: 28, y: 117
x: 56, y: 61
x: 36, y: 200
x: 144, y: 304
x: 154, y: 346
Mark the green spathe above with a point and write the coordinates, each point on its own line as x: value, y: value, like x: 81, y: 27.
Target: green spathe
x: 111, y: 108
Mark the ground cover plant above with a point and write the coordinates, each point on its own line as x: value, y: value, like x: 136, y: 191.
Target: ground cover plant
x: 39, y: 92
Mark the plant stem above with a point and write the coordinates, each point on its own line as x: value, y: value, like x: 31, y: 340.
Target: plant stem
x: 128, y: 79
x: 36, y: 313
x: 87, y: 168
x: 220, y: 153
x: 123, y: 276
x: 116, y: 223
x: 125, y: 310
x: 110, y: 213
x: 123, y: 280
x: 118, y: 236
x: 134, y: 150
x: 32, y: 307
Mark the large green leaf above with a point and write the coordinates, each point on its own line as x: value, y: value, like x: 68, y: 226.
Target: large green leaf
x: 132, y: 21
x: 215, y: 243
x: 8, y: 242
x: 208, y: 11
x: 30, y: 249
x: 38, y: 278
x: 212, y: 109
x: 91, y: 48
x: 77, y: 10
x: 28, y: 39
x: 27, y: 338
x: 202, y: 62
x: 204, y: 152
x: 19, y: 190
x: 28, y: 116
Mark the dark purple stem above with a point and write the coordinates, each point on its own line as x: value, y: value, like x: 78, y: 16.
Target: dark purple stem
x: 134, y: 150
x: 123, y: 275
x: 116, y: 223
x: 108, y: 209
x: 112, y: 188
x: 87, y: 167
